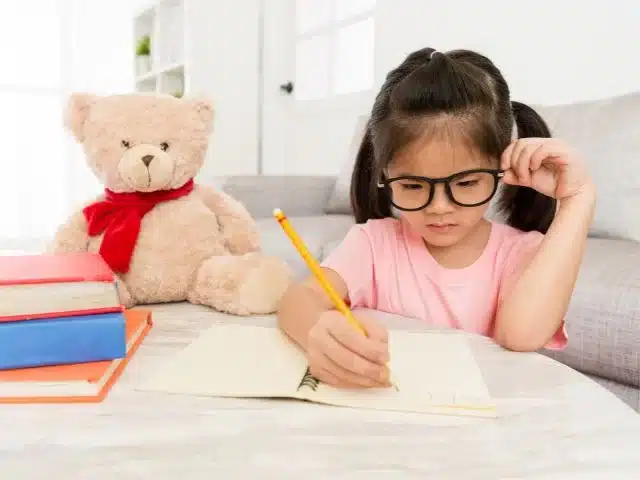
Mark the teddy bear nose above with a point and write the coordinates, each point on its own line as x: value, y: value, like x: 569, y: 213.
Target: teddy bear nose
x: 147, y: 160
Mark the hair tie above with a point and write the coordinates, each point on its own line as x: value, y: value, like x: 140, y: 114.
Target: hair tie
x: 432, y: 54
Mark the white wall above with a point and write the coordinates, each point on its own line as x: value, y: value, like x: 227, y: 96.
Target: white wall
x: 223, y: 63
x: 550, y: 51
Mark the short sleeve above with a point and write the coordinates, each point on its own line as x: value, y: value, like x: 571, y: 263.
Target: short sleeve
x: 352, y: 259
x: 521, y: 253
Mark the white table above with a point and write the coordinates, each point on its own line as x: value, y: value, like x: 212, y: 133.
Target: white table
x: 556, y: 423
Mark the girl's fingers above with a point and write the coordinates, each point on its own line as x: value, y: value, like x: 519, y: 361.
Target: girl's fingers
x: 515, y: 161
x: 322, y: 363
x: 550, y: 152
x: 505, y: 158
x: 325, y: 376
x: 510, y: 178
x: 328, y: 354
x: 525, y: 165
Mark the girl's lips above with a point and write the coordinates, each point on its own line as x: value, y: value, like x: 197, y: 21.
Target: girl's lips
x: 440, y: 227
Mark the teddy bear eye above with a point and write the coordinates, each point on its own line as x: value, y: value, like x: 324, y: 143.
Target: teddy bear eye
x: 164, y: 146
x: 125, y: 144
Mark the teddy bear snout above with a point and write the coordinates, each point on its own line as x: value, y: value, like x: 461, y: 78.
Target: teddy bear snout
x: 145, y: 167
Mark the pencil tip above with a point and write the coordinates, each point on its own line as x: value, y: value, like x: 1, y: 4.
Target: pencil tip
x: 277, y: 211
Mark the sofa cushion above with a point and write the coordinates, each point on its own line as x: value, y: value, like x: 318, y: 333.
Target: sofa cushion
x: 316, y: 232
x: 603, y: 321
x: 606, y: 134
x: 297, y: 195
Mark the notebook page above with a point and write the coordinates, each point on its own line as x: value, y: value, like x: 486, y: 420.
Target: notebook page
x: 233, y: 361
x: 434, y: 372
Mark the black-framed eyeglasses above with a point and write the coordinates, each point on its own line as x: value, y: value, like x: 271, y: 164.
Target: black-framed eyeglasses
x: 469, y: 188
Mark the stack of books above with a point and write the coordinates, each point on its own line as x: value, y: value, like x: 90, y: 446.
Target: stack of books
x: 64, y: 334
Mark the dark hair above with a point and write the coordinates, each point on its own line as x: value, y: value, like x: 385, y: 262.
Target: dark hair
x: 422, y: 93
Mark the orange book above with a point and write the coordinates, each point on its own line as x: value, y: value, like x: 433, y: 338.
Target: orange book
x: 79, y: 383
x: 56, y: 285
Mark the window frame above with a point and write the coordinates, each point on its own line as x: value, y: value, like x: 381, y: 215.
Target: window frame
x: 332, y: 100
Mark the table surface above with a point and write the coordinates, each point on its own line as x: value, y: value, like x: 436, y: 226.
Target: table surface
x: 555, y: 423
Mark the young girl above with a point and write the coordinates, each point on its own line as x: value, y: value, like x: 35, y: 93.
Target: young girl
x: 442, y: 135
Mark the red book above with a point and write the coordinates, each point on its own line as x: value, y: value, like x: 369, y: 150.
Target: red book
x: 56, y: 285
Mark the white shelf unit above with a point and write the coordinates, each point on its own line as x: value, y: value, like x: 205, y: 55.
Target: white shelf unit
x: 165, y: 69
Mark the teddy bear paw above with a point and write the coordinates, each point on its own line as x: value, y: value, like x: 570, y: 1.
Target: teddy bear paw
x: 125, y: 296
x: 264, y: 285
x: 241, y: 285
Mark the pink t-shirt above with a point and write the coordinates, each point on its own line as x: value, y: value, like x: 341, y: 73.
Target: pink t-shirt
x: 386, y: 267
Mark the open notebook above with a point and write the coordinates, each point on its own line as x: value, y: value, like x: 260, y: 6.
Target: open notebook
x: 434, y: 372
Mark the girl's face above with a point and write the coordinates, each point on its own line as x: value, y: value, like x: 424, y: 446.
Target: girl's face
x: 443, y: 221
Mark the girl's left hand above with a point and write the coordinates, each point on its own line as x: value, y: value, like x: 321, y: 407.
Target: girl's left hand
x: 547, y: 165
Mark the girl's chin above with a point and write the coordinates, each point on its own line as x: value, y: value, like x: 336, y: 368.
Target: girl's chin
x: 442, y: 238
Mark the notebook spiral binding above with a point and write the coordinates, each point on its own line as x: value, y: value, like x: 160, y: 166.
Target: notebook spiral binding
x: 309, y: 381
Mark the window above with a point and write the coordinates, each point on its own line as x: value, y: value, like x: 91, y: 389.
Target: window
x: 334, y: 53
x: 30, y: 120
x: 51, y: 48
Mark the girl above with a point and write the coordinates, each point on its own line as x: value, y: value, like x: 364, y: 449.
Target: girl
x: 442, y: 135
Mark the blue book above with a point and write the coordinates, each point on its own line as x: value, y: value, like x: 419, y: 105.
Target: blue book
x: 62, y: 340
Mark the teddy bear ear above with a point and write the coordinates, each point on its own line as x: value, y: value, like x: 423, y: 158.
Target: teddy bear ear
x: 77, y: 112
x: 205, y: 111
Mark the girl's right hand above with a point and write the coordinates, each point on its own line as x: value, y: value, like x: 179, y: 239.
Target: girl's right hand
x: 340, y: 355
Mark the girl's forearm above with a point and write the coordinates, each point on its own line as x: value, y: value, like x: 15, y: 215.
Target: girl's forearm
x: 299, y: 310
x: 537, y: 304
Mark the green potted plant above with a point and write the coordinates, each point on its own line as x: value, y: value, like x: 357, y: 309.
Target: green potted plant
x: 143, y: 55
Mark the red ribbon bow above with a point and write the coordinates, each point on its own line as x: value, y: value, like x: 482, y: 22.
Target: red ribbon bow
x: 119, y: 216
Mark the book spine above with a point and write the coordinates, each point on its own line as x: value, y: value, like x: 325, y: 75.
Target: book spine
x: 62, y: 314
x: 62, y: 341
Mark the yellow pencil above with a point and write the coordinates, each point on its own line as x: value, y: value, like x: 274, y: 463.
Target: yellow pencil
x: 337, y: 300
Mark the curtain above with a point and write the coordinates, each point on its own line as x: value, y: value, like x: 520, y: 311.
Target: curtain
x: 49, y: 49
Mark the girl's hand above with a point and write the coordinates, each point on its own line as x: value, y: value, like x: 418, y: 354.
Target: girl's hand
x: 547, y: 165
x: 341, y: 356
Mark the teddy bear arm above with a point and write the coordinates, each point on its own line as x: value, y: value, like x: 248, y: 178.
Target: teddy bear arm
x: 71, y: 236
x: 238, y: 227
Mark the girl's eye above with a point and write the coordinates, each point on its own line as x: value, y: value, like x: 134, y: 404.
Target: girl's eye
x: 467, y: 183
x: 125, y: 144
x: 164, y: 146
x: 411, y: 186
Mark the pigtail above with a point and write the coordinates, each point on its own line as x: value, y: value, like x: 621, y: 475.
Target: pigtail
x: 525, y: 208
x: 368, y: 201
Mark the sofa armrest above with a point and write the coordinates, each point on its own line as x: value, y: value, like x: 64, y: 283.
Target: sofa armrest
x: 603, y: 320
x: 296, y: 195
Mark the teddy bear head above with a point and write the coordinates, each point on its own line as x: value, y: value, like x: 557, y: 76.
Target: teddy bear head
x: 141, y: 142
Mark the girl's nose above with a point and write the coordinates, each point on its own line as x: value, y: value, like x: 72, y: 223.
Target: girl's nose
x: 441, y: 203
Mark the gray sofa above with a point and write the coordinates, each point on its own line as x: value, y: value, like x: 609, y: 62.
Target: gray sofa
x: 603, y: 321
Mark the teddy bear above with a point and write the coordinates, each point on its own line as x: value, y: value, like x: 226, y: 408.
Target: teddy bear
x: 165, y: 236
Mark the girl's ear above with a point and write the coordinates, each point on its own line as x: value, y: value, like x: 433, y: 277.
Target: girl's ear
x: 77, y: 112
